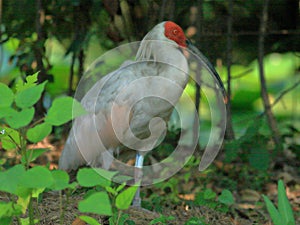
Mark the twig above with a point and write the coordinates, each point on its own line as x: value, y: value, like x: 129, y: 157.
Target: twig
x: 242, y: 74
x: 284, y: 92
x: 281, y: 95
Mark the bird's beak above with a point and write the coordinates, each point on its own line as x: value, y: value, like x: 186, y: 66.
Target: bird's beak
x: 209, y: 66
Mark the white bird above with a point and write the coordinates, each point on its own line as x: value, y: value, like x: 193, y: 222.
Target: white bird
x: 119, y: 114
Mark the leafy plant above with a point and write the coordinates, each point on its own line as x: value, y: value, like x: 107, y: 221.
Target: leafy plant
x: 195, y: 221
x: 162, y: 220
x: 250, y: 147
x: 105, y: 199
x: 283, y: 215
x: 17, y: 129
x: 17, y: 113
x: 210, y: 199
x: 26, y: 187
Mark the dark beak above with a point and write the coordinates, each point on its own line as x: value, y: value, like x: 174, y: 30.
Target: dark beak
x: 210, y: 67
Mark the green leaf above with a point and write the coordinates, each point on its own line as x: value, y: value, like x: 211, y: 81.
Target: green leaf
x: 231, y: 150
x: 9, y: 179
x: 20, y: 119
x: 284, y: 206
x: 259, y: 157
x: 120, y: 187
x: 124, y: 199
x: 209, y: 194
x: 96, y: 203
x: 111, y: 190
x: 161, y: 220
x: 226, y: 197
x: 73, y: 185
x: 89, y: 220
x: 30, y: 96
x: 195, y: 221
x: 89, y: 177
x: 7, y: 96
x: 5, y: 111
x: 5, y: 220
x: 31, y: 81
x: 275, y: 216
x: 10, y: 138
x: 37, y: 177
x: 25, y: 221
x: 39, y: 132
x: 61, y: 180
x: 9, y: 209
x: 63, y: 110
x: 32, y: 154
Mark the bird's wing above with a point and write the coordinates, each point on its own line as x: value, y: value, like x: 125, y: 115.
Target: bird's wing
x: 84, y: 144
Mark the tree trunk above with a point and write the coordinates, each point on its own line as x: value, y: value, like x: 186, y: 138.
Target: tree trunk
x: 39, y: 53
x: 229, y: 133
x: 264, y: 93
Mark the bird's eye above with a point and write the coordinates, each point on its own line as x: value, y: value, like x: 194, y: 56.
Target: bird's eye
x: 175, y: 32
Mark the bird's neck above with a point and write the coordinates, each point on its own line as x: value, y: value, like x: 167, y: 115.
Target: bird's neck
x: 167, y: 55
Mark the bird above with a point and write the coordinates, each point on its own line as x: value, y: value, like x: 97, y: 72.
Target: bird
x: 122, y: 108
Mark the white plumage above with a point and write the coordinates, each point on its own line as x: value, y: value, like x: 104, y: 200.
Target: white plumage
x: 157, y: 56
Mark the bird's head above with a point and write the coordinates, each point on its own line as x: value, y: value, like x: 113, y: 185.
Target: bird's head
x: 171, y: 32
x: 175, y: 33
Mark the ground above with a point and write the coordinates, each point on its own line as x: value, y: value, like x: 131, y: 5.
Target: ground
x: 176, y: 199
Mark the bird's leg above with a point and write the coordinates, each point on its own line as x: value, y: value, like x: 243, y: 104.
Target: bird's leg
x: 138, y: 174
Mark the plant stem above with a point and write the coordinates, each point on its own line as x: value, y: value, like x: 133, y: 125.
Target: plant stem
x: 30, y: 211
x: 119, y: 216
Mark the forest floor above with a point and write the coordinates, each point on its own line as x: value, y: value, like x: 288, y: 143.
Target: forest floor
x: 175, y: 200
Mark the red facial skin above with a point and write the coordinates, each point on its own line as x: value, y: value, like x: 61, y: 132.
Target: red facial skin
x: 175, y: 33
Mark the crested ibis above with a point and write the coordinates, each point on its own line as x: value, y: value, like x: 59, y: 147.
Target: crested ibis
x: 116, y: 116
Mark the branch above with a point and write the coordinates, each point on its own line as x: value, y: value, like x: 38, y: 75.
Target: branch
x: 283, y: 93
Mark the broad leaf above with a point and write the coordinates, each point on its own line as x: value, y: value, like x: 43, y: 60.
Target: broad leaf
x: 32, y: 154
x: 39, y: 132
x: 209, y: 194
x: 7, y: 96
x: 96, y: 203
x: 8, y: 209
x: 61, y: 180
x: 124, y: 199
x: 37, y: 177
x: 20, y: 119
x: 30, y: 96
x: 89, y: 220
x: 226, y: 197
x: 89, y: 177
x: 10, y: 138
x: 5, y: 111
x: 9, y: 179
x: 63, y: 110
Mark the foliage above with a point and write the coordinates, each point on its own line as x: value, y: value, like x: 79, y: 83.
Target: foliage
x: 210, y: 199
x: 195, y: 221
x: 105, y: 199
x: 17, y: 111
x: 162, y: 220
x: 283, y: 215
x: 251, y: 147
